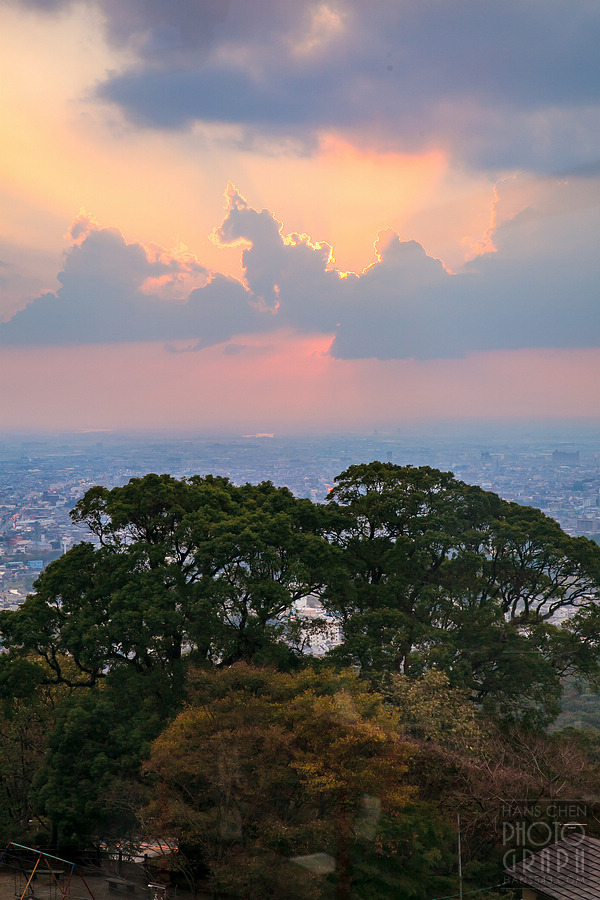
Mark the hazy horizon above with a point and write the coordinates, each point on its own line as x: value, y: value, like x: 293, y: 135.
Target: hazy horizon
x: 511, y: 431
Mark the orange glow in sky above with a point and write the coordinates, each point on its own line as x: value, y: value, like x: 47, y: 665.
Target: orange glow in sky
x: 343, y: 195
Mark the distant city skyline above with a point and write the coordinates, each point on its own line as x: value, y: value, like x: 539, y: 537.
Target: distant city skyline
x: 275, y: 217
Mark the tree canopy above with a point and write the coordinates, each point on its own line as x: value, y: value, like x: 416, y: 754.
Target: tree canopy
x: 438, y: 573
x: 195, y: 567
x: 163, y: 672
x: 420, y: 569
x: 263, y: 769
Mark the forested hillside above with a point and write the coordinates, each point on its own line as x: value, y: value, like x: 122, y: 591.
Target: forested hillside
x: 160, y: 681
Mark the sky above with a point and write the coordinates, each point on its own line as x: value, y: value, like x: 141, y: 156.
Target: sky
x: 268, y: 216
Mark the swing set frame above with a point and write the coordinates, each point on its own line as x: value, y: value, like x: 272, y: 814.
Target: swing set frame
x: 42, y: 858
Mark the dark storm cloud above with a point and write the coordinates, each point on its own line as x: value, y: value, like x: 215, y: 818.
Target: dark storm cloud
x: 159, y: 32
x: 175, y: 99
x: 538, y: 290
x: 159, y: 27
x: 504, y: 84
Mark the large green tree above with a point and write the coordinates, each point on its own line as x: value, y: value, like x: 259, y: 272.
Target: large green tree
x: 87, y: 787
x: 440, y: 573
x: 181, y: 567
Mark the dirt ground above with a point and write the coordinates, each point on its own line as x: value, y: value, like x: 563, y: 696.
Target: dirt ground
x: 131, y: 885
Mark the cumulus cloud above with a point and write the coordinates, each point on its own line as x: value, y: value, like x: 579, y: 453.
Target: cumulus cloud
x: 104, y: 296
x: 538, y: 289
x: 288, y: 274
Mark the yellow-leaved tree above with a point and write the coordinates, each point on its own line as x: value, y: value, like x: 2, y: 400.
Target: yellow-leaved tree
x: 270, y: 781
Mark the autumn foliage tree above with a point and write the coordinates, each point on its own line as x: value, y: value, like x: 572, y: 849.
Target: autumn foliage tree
x: 263, y: 768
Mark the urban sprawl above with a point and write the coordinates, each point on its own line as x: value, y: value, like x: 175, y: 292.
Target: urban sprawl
x: 41, y: 478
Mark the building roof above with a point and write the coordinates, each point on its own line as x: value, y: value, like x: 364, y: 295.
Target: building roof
x: 567, y: 870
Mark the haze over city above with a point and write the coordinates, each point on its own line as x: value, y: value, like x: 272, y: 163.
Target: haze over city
x: 274, y: 217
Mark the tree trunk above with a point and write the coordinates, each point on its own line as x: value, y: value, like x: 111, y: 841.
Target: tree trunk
x: 343, y: 829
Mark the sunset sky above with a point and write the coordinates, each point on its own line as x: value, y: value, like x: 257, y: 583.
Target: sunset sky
x: 274, y: 216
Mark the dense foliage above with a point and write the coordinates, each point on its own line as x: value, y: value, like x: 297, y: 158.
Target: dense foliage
x: 160, y: 679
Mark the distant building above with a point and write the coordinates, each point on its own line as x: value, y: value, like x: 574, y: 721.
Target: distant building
x: 566, y: 457
x: 587, y: 526
x: 319, y: 632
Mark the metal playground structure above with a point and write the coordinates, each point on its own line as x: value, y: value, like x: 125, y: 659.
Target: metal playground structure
x: 30, y: 865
